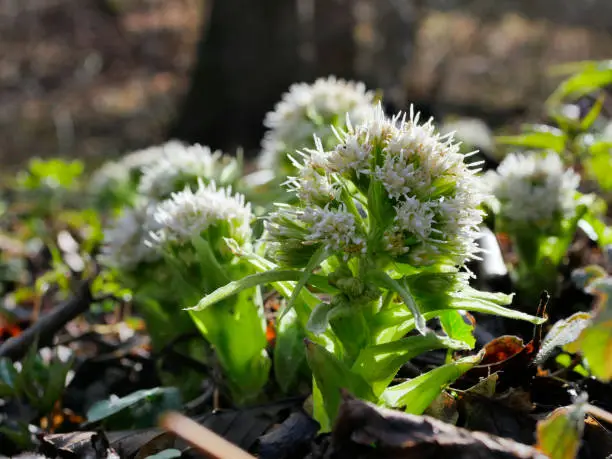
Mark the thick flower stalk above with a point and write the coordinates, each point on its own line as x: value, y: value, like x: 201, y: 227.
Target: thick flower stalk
x: 307, y: 110
x: 141, y: 268
x: 194, y: 227
x: 383, y: 224
x: 537, y: 204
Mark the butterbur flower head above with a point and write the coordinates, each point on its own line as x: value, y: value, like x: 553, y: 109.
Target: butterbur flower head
x: 128, y: 170
x: 109, y: 177
x: 534, y: 190
x: 392, y: 188
x: 125, y: 246
x: 208, y: 212
x: 178, y: 165
x: 307, y: 110
x: 135, y: 162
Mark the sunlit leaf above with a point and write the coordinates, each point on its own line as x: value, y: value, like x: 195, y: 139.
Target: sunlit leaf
x: 598, y: 164
x: 458, y: 327
x: 491, y: 303
x: 416, y: 394
x: 592, y: 76
x: 542, y: 137
x: 595, y: 341
x: 592, y: 115
x: 565, y: 361
x: 253, y: 280
x: 560, y: 434
x: 562, y: 333
x: 53, y: 173
x: 379, y: 364
x: 596, y: 347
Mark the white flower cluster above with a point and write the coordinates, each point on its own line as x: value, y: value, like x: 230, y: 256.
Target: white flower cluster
x: 472, y: 132
x: 431, y: 195
x: 136, y: 160
x: 116, y: 173
x: 190, y: 213
x: 179, y: 165
x: 307, y: 110
x: 125, y: 244
x: 534, y: 188
x: 110, y: 175
x: 335, y: 227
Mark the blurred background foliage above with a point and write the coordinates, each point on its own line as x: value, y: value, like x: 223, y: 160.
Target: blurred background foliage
x: 93, y: 79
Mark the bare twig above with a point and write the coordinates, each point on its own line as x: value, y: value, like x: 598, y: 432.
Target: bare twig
x: 599, y: 413
x: 47, y: 326
x: 205, y: 440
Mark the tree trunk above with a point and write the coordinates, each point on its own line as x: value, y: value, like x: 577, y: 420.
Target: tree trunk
x: 334, y: 24
x: 247, y: 56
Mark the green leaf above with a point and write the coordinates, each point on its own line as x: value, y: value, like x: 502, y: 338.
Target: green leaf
x: 27, y: 378
x: 215, y: 275
x: 594, y: 75
x: 598, y: 164
x: 380, y: 363
x: 560, y: 434
x: 331, y: 375
x: 166, y: 454
x: 8, y: 373
x: 308, y: 300
x: 562, y: 333
x: 385, y: 281
x: 54, y: 387
x: 592, y: 115
x: 268, y: 277
x: 543, y: 137
x: 245, y: 362
x: 458, y: 327
x: 139, y: 409
x: 253, y: 280
x: 474, y: 300
x: 486, y: 387
x: 19, y: 434
x: 595, y: 341
x: 468, y: 299
x: 565, y: 361
x: 319, y: 318
x: 595, y: 344
x: 317, y: 258
x: 6, y: 391
x: 54, y: 173
x: 416, y: 394
x: 596, y: 229
x: 319, y: 413
x: 324, y: 313
x: 289, y: 353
